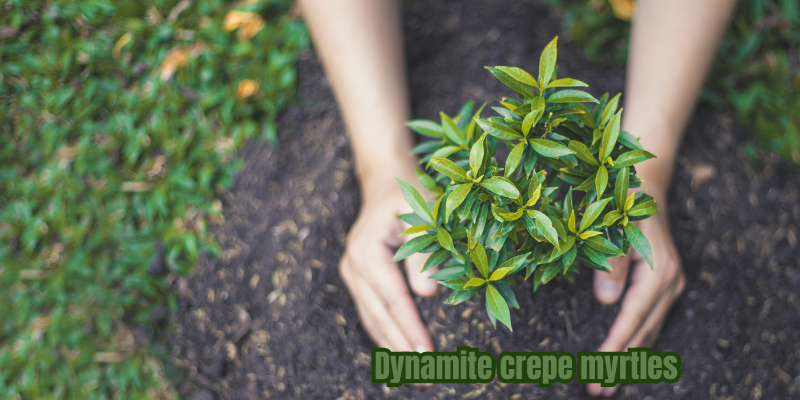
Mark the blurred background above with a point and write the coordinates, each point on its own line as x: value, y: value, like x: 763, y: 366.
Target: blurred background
x: 167, y: 188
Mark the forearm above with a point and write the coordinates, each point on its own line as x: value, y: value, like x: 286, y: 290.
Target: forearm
x: 361, y: 46
x: 673, y: 43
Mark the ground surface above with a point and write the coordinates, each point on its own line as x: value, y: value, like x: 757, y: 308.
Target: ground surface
x: 272, y: 319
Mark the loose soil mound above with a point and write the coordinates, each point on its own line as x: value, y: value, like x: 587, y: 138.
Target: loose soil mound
x: 272, y: 319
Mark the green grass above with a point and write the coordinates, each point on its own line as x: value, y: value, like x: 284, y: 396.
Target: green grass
x: 100, y: 157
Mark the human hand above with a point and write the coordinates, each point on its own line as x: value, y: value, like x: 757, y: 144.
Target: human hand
x: 649, y: 297
x: 376, y: 284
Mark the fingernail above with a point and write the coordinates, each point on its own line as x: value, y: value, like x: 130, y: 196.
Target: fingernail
x: 607, y: 289
x: 420, y: 349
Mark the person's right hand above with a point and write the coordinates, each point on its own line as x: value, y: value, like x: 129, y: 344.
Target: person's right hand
x: 377, y: 285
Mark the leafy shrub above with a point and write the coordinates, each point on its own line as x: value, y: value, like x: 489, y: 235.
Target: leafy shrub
x: 120, y: 120
x: 756, y: 73
x: 557, y: 145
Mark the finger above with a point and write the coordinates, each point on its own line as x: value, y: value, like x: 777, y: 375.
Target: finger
x: 637, y: 304
x: 385, y: 280
x: 420, y: 282
x: 608, y: 286
x: 378, y: 314
x: 647, y: 334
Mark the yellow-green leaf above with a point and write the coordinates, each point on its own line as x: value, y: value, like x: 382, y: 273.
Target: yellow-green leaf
x: 629, y: 201
x: 513, y: 159
x: 475, y: 282
x: 571, y: 222
x: 547, y: 62
x: 457, y: 197
x: 601, y: 180
x: 450, y: 169
x: 500, y: 273
x: 610, y: 135
x: 520, y: 75
x: 415, y: 229
x: 566, y: 82
x: 588, y: 234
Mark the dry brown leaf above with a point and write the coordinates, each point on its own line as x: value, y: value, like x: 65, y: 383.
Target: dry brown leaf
x: 247, y: 88
x: 179, y: 57
x: 623, y: 9
x: 116, y: 51
x: 247, y: 23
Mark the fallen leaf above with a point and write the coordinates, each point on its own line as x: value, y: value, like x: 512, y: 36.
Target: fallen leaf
x: 247, y: 88
x: 623, y: 9
x: 116, y: 51
x: 247, y: 23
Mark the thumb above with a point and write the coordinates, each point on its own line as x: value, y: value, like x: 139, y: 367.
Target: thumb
x: 608, y: 286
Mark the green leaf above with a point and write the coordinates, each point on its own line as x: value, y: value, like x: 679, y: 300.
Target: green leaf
x: 476, y: 155
x: 412, y: 219
x: 632, y: 157
x: 518, y: 87
x: 417, y: 202
x: 451, y: 169
x: 520, y: 75
x: 610, y: 135
x: 435, y: 259
x: 639, y: 243
x: 415, y: 229
x: 612, y: 217
x: 500, y: 187
x: 621, y: 187
x: 545, y: 227
x: 549, y: 148
x: 646, y: 208
x: 597, y: 258
x: 547, y: 62
x: 445, y: 240
x: 587, y: 185
x: 446, y: 151
x: 569, y: 257
x: 427, y: 181
x: 601, y: 180
x: 456, y: 197
x: 507, y: 293
x: 592, y: 212
x: 566, y: 82
x: 413, y: 246
x: 609, y: 109
x: 426, y: 127
x: 582, y: 152
x: 530, y: 120
x: 478, y: 255
x: 451, y: 130
x: 515, y: 263
x: 448, y: 273
x: 475, y: 283
x: 550, y: 271
x: 457, y: 283
x: 498, y: 306
x: 498, y: 130
x: 513, y: 159
x: 571, y: 96
x: 627, y: 140
x: 460, y: 296
x: 603, y: 245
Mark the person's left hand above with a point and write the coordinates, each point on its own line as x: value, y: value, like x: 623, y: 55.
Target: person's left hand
x: 649, y: 297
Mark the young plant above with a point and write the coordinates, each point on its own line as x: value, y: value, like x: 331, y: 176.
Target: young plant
x: 490, y: 223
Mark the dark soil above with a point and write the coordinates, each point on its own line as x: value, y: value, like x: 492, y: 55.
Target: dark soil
x: 271, y: 318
